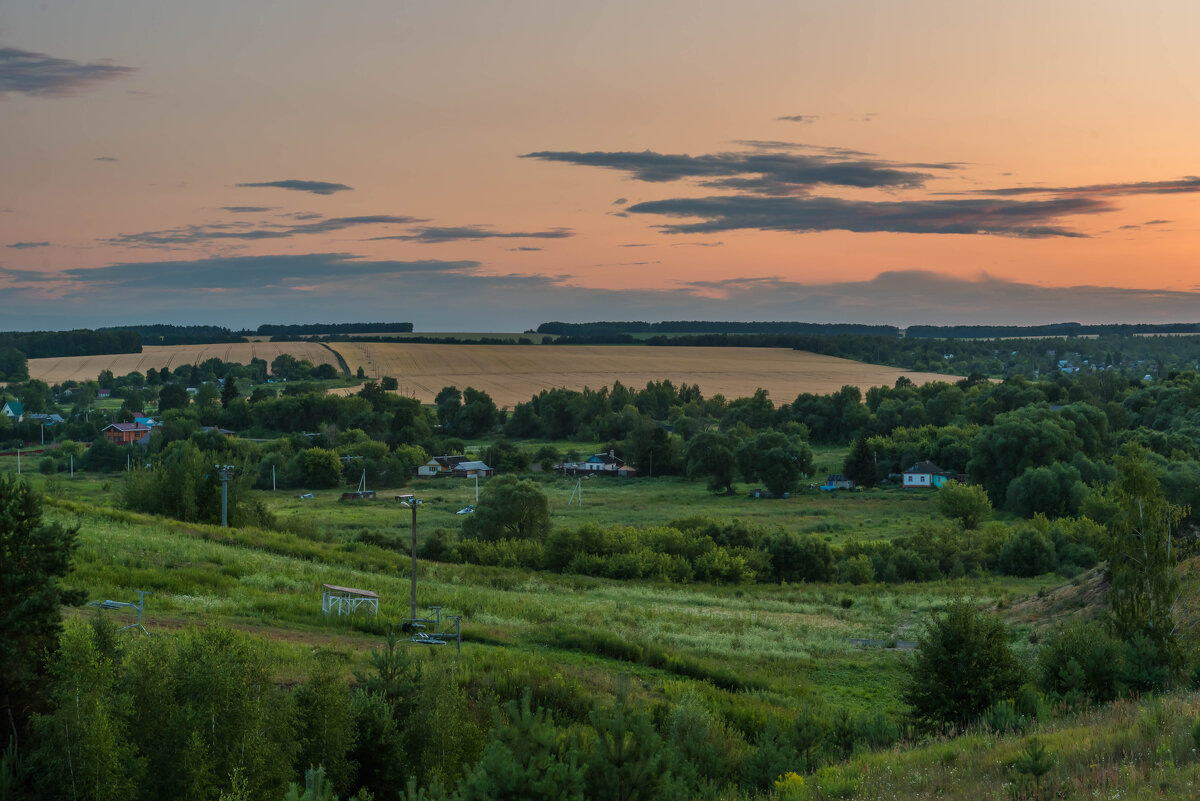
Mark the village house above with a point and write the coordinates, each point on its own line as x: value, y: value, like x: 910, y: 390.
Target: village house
x: 13, y: 410
x: 125, y: 433
x: 603, y: 463
x: 927, y: 474
x: 472, y: 470
x: 440, y: 465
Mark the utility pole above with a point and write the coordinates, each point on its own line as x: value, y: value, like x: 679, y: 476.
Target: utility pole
x: 225, y: 473
x: 413, y: 503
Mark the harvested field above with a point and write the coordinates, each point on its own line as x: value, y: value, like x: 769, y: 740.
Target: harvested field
x: 87, y: 368
x: 514, y: 373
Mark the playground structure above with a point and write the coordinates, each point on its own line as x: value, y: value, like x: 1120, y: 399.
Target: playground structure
x: 116, y: 605
x: 347, y: 600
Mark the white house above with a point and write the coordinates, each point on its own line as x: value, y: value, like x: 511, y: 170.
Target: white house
x: 440, y: 465
x: 926, y: 474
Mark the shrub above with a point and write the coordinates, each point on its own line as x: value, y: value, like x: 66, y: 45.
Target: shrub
x: 1028, y: 553
x: 1081, y: 660
x: 962, y: 665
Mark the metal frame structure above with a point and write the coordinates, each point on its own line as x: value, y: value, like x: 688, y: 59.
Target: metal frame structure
x: 347, y: 600
x: 416, y: 628
x: 139, y: 606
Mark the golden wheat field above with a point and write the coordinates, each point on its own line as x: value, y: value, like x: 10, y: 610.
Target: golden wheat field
x: 514, y: 373
x: 86, y: 368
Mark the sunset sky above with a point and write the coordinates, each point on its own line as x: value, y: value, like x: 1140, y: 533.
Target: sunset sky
x: 488, y: 166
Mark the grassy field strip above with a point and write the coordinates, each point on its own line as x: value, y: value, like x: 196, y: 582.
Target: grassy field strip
x: 514, y: 373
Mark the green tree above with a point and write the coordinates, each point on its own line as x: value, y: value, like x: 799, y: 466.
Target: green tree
x: 525, y: 758
x: 1143, y: 555
x: 1027, y: 553
x: 962, y: 664
x: 34, y: 556
x: 172, y: 396
x: 320, y: 468
x: 478, y: 414
x: 627, y: 761
x: 1032, y: 436
x: 509, y: 508
x: 710, y: 454
x: 860, y: 465
x: 326, y: 722
x: 85, y: 751
x: 966, y: 503
x: 228, y: 392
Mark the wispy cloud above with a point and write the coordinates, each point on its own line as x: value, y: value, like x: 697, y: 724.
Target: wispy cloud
x: 28, y: 245
x: 1180, y: 186
x: 803, y: 119
x: 189, y: 235
x: 315, y: 187
x: 106, y: 158
x: 39, y: 75
x: 757, y: 171
x: 441, y: 234
x: 254, y: 271
x: 247, y: 209
x: 803, y: 214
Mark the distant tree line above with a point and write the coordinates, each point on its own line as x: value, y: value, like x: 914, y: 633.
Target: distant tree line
x: 78, y: 342
x: 1052, y: 330
x: 706, y: 327
x: 309, y: 329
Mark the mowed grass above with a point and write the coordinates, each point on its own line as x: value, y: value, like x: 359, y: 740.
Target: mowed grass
x: 86, y: 368
x: 513, y: 374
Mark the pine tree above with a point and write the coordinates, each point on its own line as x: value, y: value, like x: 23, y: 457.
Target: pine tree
x: 33, y: 557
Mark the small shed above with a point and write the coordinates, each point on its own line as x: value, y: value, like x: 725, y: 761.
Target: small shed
x: 347, y: 600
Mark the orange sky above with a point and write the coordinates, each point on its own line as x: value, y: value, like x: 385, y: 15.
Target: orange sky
x: 1018, y: 151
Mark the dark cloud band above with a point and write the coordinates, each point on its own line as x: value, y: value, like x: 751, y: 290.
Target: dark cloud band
x: 315, y: 187
x: 40, y: 75
x: 804, y: 214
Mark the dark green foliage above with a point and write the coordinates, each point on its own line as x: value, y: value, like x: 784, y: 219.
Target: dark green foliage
x: 526, y: 758
x: 800, y: 558
x: 968, y: 504
x: 1081, y: 661
x: 707, y: 752
x: 503, y: 456
x: 326, y: 723
x: 182, y: 482
x: 710, y: 454
x: 1027, y: 553
x: 775, y: 459
x: 1031, y: 436
x: 316, y: 787
x: 962, y: 665
x: 203, y: 704
x: 509, y: 508
x: 627, y: 761
x: 1142, y: 557
x: 1035, y: 762
x: 861, y: 466
x: 85, y: 749
x: 320, y: 468
x: 34, y: 556
x: 1054, y: 491
x: 378, y: 750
